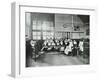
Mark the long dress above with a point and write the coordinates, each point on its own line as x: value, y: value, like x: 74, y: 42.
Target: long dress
x: 74, y: 51
x: 66, y: 50
x: 81, y: 46
x: 70, y: 46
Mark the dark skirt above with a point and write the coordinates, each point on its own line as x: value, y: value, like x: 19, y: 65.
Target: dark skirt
x: 74, y: 52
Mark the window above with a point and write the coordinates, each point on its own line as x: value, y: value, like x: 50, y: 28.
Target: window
x: 36, y: 35
x: 42, y: 26
x: 48, y: 35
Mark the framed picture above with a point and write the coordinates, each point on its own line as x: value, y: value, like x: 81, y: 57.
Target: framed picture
x: 50, y: 40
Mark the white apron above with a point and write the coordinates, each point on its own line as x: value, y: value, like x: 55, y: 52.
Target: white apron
x: 66, y: 50
x: 81, y: 46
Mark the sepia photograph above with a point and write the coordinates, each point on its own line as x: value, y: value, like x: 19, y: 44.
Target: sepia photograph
x: 56, y: 39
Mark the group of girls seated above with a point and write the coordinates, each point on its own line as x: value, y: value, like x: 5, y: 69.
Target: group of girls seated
x: 66, y: 46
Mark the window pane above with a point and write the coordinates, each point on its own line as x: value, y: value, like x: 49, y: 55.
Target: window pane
x: 34, y: 33
x: 38, y: 33
x: 34, y: 27
x: 48, y: 33
x: 34, y: 37
x: 44, y: 33
x: 48, y: 28
x: 34, y: 22
x: 43, y: 27
x: 38, y: 37
x: 38, y: 27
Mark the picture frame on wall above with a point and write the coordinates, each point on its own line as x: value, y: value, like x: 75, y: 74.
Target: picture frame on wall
x: 33, y: 26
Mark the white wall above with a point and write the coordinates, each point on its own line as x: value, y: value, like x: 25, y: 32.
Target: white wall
x: 64, y: 22
x: 28, y: 25
x: 60, y: 20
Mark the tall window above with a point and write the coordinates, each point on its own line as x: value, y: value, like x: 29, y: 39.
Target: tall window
x: 42, y: 26
x: 36, y: 30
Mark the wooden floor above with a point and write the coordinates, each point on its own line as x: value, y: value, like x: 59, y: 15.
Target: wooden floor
x: 53, y: 59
